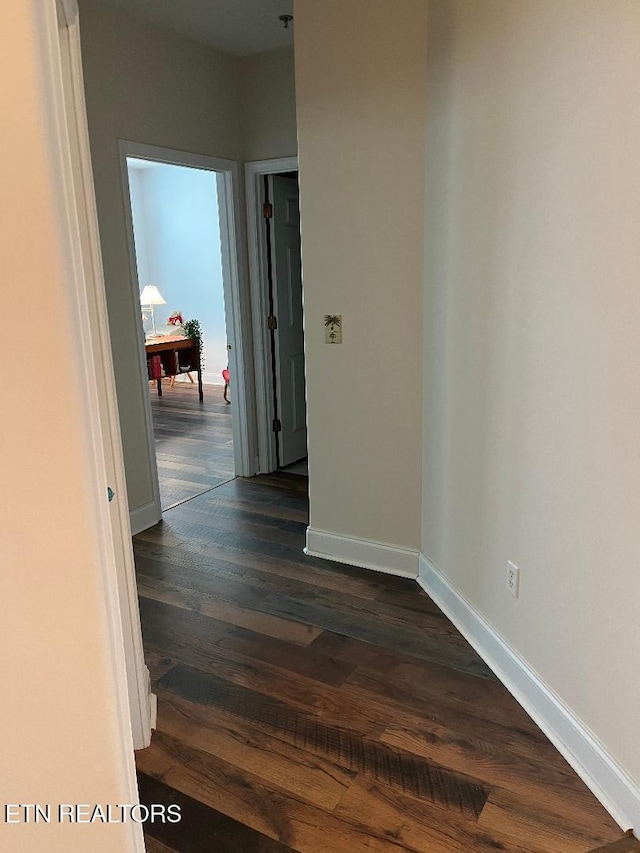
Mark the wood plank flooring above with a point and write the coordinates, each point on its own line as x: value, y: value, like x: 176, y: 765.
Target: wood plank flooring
x: 313, y: 707
x: 629, y: 844
x: 194, y: 447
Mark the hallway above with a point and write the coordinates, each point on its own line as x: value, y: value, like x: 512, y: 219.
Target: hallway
x: 309, y: 706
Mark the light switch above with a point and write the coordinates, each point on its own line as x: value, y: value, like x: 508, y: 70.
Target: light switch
x: 333, y: 328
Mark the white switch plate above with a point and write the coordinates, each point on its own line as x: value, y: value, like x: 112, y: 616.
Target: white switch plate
x: 333, y: 328
x: 513, y: 579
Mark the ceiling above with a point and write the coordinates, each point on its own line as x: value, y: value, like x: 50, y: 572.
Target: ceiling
x: 239, y: 27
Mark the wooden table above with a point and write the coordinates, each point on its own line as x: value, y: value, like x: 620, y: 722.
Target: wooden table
x: 177, y: 355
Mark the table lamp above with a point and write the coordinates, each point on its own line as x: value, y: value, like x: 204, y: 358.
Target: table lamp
x: 150, y: 297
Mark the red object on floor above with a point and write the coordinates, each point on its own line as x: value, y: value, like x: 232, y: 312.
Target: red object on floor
x: 225, y: 376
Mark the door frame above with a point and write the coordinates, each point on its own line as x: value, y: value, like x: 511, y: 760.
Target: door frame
x: 67, y: 139
x: 81, y: 236
x: 232, y: 280
x: 259, y: 285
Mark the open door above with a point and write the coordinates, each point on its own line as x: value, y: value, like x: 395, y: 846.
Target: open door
x: 288, y: 337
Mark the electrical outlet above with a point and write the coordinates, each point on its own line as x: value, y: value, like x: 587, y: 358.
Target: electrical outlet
x: 513, y: 579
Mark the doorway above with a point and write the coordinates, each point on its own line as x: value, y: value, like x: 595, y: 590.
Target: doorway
x: 273, y: 207
x: 176, y: 227
x: 184, y: 263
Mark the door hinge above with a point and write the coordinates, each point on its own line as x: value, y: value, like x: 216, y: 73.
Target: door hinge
x: 277, y: 425
x: 272, y: 323
x: 267, y: 210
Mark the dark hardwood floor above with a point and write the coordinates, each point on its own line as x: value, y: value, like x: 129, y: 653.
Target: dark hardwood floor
x: 194, y: 447
x: 309, y: 706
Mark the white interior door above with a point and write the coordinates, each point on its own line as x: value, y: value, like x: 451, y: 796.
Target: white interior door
x: 289, y: 336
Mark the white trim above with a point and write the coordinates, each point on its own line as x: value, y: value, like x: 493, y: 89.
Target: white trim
x: 153, y: 716
x: 588, y: 757
x: 68, y: 11
x: 137, y: 672
x: 257, y: 248
x: 67, y: 142
x: 144, y: 517
x: 378, y: 556
x: 235, y: 296
x: 139, y: 371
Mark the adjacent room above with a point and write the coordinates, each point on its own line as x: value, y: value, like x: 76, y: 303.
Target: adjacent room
x: 176, y: 229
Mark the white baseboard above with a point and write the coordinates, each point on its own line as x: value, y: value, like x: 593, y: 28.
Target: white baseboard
x: 212, y: 379
x: 207, y: 379
x: 379, y: 556
x: 144, y: 517
x: 597, y: 769
x: 153, y: 711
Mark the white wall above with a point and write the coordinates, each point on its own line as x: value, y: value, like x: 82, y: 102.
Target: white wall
x: 142, y: 245
x: 58, y: 715
x: 177, y: 237
x: 361, y: 101
x: 268, y: 105
x: 146, y: 84
x: 532, y: 365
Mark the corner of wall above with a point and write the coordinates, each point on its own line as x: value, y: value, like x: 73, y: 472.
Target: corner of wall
x: 583, y: 751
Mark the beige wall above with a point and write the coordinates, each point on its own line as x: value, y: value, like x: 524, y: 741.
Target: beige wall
x: 146, y: 85
x: 268, y: 105
x: 532, y: 364
x: 58, y: 714
x: 360, y: 85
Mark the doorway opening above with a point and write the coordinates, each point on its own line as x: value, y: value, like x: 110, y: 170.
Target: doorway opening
x: 273, y: 204
x: 185, y: 294
x: 176, y: 228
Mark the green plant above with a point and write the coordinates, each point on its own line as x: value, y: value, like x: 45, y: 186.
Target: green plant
x: 193, y: 330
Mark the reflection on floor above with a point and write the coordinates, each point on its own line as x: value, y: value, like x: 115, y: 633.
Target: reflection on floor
x: 194, y: 447
x: 310, y: 706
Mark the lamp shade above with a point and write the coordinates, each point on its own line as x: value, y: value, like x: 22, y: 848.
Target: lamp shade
x: 151, y: 296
